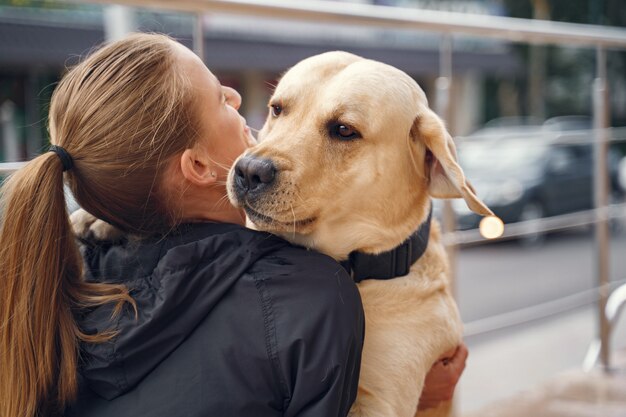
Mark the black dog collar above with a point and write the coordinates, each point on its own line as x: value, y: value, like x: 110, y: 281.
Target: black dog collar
x: 394, y: 263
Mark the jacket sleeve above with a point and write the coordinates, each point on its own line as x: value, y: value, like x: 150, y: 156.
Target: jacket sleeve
x: 315, y: 345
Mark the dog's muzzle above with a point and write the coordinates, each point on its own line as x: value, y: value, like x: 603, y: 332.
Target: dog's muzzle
x: 253, y: 176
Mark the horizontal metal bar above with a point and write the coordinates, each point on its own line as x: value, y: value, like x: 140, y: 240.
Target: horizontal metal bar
x: 613, y: 135
x: 10, y: 167
x: 503, y: 28
x: 543, y: 225
x: 535, y: 139
x: 473, y: 237
x: 533, y: 313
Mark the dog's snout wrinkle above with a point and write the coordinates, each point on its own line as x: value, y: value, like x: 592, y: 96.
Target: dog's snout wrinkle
x: 253, y: 174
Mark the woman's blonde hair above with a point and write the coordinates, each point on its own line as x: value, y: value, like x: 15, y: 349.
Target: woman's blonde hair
x: 121, y: 114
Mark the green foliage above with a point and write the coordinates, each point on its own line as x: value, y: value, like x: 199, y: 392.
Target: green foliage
x: 44, y: 4
x: 569, y: 72
x: 602, y: 12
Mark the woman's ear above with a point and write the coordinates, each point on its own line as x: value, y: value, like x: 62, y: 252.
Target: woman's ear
x: 446, y: 178
x: 196, y: 168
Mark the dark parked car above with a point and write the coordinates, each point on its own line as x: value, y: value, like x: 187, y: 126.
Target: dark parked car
x: 530, y: 172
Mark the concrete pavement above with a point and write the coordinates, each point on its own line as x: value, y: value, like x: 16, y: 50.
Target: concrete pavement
x: 534, y: 370
x: 569, y: 394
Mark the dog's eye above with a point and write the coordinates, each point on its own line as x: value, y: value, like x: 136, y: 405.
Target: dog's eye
x: 276, y: 109
x: 343, y: 131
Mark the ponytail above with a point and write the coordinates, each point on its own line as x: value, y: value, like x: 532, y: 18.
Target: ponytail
x: 41, y: 286
x: 120, y: 115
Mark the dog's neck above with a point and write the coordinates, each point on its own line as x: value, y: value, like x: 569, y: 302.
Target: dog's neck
x: 391, y: 264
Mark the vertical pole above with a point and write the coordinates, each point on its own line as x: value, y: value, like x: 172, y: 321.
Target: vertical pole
x: 118, y: 22
x: 537, y: 60
x: 443, y: 85
x: 10, y: 139
x: 34, y: 141
x: 255, y: 99
x: 442, y: 106
x: 601, y: 199
x: 198, y: 35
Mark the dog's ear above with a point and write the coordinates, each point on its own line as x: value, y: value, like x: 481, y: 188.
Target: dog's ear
x: 445, y: 176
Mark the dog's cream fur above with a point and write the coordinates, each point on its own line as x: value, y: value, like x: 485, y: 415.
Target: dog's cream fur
x: 368, y: 194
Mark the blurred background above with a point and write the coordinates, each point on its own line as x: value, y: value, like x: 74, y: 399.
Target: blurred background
x: 522, y: 117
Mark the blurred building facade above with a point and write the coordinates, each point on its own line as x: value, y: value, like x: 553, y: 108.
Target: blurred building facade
x: 40, y: 39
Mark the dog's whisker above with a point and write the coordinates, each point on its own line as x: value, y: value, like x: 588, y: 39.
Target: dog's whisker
x: 298, y: 194
x: 225, y: 166
x: 222, y: 198
x: 222, y: 202
x: 293, y: 213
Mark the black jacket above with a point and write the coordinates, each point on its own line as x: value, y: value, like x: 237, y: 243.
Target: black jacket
x: 232, y: 322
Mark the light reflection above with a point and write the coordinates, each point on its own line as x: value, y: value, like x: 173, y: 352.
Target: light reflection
x: 491, y: 227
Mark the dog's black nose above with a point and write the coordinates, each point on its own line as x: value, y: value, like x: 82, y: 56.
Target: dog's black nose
x: 253, y: 174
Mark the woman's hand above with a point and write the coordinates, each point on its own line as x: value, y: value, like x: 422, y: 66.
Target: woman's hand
x: 442, y: 378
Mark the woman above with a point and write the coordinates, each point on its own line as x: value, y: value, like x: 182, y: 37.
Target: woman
x: 198, y: 317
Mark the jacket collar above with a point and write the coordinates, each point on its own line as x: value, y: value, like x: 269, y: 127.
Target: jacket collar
x: 391, y: 264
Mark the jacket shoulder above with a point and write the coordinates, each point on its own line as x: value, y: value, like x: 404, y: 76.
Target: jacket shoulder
x: 306, y: 286
x: 316, y: 332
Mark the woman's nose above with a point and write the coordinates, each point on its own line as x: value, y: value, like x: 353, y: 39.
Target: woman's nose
x: 232, y: 97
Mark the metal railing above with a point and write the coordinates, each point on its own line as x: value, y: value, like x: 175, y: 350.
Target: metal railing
x: 503, y: 28
x: 10, y: 167
x: 449, y: 25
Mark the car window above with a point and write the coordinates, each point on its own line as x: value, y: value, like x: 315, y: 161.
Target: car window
x: 582, y: 152
x: 561, y: 159
x: 504, y: 155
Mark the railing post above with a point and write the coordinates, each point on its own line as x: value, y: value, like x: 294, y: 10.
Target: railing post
x: 31, y: 103
x: 198, y: 35
x: 443, y: 86
x: 10, y: 146
x: 601, y: 199
x: 118, y: 21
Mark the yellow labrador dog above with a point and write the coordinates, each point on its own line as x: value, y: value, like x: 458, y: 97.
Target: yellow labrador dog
x: 347, y: 163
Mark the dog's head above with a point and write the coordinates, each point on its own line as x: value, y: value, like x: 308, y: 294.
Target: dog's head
x: 348, y: 158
